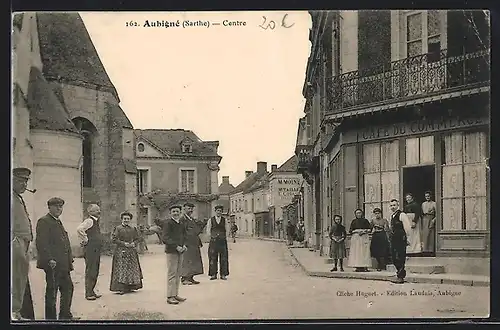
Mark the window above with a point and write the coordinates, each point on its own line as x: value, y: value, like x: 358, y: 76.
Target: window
x: 381, y: 175
x: 140, y: 147
x: 419, y: 150
x: 142, y: 181
x: 423, y: 34
x: 464, y: 199
x: 187, y: 148
x: 188, y: 181
x: 246, y: 205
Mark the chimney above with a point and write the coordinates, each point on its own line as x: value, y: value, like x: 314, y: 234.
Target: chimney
x: 261, y: 167
x: 225, y: 179
x: 274, y: 167
x: 248, y: 173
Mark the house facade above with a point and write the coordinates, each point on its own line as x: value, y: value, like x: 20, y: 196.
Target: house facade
x: 398, y: 102
x: 175, y: 166
x: 284, y: 185
x: 242, y: 202
x: 68, y: 127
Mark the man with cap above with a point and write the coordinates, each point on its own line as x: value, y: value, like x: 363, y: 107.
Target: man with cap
x: 217, y: 248
x: 56, y: 259
x: 174, y: 237
x: 90, y: 234
x: 192, y: 264
x: 21, y: 237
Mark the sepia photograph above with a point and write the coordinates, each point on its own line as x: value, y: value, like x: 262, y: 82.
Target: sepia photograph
x: 250, y: 165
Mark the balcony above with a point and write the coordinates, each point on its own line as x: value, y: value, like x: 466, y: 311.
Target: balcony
x: 407, y: 79
x: 304, y: 156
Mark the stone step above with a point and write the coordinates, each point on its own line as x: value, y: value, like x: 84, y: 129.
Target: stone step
x: 420, y: 268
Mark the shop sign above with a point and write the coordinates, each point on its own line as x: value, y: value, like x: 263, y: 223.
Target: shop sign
x: 419, y: 127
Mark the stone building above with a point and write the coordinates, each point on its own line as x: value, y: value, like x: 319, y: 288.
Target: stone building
x: 242, y: 203
x: 398, y: 102
x: 175, y: 166
x: 284, y: 184
x: 68, y: 126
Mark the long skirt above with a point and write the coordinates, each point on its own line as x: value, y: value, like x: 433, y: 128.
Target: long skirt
x: 126, y: 272
x: 428, y: 234
x: 359, y: 254
x: 192, y: 263
x: 337, y: 250
x: 414, y: 236
x: 379, y: 246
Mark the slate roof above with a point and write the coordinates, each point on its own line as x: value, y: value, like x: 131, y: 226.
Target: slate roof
x: 289, y: 166
x: 169, y: 141
x: 118, y: 115
x: 67, y: 50
x: 248, y: 182
x: 46, y: 112
x: 225, y: 188
x: 261, y: 182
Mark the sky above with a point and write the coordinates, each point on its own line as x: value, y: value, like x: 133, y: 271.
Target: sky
x: 240, y: 85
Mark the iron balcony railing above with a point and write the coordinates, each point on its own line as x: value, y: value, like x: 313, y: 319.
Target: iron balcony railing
x: 407, y: 78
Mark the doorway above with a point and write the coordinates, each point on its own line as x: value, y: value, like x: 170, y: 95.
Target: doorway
x: 417, y: 180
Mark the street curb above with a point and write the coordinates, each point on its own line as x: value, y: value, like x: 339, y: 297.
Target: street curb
x: 385, y: 276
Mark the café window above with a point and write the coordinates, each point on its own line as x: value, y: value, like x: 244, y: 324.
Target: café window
x: 380, y: 175
x: 464, y: 200
x: 419, y: 150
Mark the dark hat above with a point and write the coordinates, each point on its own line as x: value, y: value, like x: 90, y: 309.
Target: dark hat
x: 21, y: 172
x: 375, y: 210
x: 219, y: 207
x: 126, y: 213
x: 189, y: 204
x: 174, y: 207
x: 55, y: 201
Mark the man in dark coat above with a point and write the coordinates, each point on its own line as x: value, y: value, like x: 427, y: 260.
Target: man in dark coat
x: 217, y: 248
x: 192, y: 264
x: 56, y: 259
x: 174, y: 237
x: 21, y: 237
x: 90, y: 234
x: 290, y: 232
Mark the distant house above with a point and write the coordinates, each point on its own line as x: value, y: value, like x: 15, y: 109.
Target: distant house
x: 175, y: 166
x: 242, y: 204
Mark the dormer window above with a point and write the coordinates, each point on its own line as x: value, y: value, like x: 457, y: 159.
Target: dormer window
x: 140, y: 147
x: 187, y: 148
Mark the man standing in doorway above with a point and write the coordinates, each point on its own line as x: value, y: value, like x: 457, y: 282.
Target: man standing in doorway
x: 174, y: 237
x: 56, y: 259
x: 21, y: 237
x: 217, y: 248
x: 90, y: 234
x: 400, y: 228
x: 192, y: 264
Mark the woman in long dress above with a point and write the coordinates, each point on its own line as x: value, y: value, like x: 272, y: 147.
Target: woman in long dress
x: 126, y: 272
x: 359, y: 253
x: 379, y: 247
x: 337, y: 236
x: 428, y: 223
x: 413, y: 211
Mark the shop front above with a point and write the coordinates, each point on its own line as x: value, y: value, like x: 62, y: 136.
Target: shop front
x: 442, y: 152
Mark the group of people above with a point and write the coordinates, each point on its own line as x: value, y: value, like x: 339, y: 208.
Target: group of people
x: 294, y: 232
x: 180, y: 234
x: 409, y: 231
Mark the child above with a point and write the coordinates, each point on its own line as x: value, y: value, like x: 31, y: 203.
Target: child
x: 337, y: 246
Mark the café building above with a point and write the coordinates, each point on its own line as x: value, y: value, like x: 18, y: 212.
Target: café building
x: 439, y: 145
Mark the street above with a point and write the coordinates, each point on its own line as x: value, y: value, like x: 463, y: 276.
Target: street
x: 264, y: 283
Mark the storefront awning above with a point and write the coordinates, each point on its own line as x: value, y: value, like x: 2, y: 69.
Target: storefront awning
x: 395, y: 105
